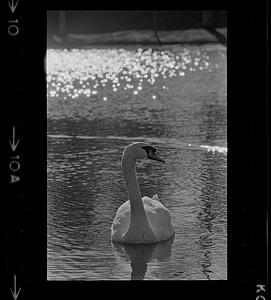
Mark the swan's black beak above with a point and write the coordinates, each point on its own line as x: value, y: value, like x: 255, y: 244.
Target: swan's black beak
x: 154, y: 156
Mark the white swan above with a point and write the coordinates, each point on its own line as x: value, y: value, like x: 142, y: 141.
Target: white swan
x: 140, y: 220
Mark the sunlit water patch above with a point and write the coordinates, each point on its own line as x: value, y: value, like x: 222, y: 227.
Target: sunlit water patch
x: 80, y: 72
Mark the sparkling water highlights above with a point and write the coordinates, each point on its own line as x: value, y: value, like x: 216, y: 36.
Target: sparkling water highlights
x: 214, y: 149
x: 88, y: 72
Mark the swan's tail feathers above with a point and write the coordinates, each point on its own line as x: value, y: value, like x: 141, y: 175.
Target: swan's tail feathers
x: 155, y: 197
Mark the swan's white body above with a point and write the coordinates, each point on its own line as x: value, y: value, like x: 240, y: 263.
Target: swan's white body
x: 139, y: 220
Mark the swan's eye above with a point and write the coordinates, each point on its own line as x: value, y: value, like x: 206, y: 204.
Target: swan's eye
x: 153, y: 150
x: 149, y: 149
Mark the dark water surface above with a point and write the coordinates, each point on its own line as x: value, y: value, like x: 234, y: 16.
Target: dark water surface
x: 99, y: 101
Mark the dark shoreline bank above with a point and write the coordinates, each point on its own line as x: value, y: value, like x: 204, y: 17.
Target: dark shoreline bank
x: 143, y: 38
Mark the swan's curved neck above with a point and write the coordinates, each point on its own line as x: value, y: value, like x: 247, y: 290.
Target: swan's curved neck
x: 129, y: 172
x: 139, y: 227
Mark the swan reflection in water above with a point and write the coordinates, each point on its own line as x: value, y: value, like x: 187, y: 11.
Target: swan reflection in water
x: 141, y: 254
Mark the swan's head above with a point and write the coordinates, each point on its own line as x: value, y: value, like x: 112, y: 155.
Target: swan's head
x: 141, y: 150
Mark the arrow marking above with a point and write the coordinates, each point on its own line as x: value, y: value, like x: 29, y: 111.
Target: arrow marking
x: 13, y: 6
x: 14, y: 292
x: 13, y: 144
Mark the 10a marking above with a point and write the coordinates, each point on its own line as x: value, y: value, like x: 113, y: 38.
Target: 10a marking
x: 14, y: 165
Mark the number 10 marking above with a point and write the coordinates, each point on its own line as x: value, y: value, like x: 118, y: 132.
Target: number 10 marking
x: 13, y: 29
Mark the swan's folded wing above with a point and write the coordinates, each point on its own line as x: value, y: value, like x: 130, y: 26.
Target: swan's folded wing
x: 159, y: 220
